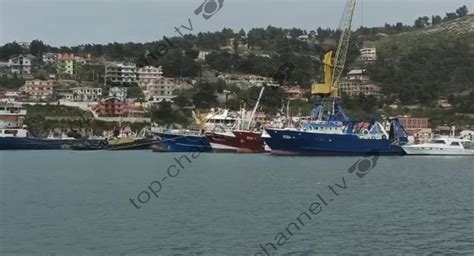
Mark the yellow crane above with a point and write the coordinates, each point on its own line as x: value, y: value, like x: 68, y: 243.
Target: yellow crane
x: 334, y: 65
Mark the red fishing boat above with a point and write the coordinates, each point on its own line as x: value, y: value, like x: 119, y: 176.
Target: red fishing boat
x: 238, y: 136
x: 236, y: 141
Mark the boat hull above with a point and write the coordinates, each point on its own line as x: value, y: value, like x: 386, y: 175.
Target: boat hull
x: 237, y: 141
x: 291, y: 142
x: 182, y: 143
x: 414, y: 150
x: 25, y: 143
x: 138, y: 144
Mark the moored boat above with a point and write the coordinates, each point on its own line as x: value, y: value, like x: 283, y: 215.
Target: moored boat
x: 442, y: 147
x: 181, y: 141
x: 236, y: 136
x: 236, y: 141
x: 335, y: 139
x: 125, y: 139
x: 21, y: 139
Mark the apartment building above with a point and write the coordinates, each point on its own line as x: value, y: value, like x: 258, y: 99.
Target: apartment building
x: 161, y: 90
x: 120, y: 72
x: 414, y: 125
x: 118, y: 92
x: 38, y: 89
x: 21, y: 64
x: 50, y: 58
x: 66, y: 63
x: 358, y: 82
x: 368, y: 54
x: 148, y: 75
x: 84, y: 94
x: 111, y: 107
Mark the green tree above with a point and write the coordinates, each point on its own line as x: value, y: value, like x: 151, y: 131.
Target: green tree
x: 422, y: 22
x: 37, y: 48
x: 436, y: 19
x: 462, y: 11
x: 9, y: 50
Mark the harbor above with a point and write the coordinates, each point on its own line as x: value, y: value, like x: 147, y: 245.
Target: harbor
x: 224, y: 131
x: 240, y: 128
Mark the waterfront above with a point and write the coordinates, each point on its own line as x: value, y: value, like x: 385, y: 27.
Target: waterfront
x: 77, y: 203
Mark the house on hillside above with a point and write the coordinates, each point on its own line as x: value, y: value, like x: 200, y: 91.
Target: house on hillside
x: 358, y: 82
x: 161, y: 90
x: 118, y: 92
x: 111, y: 107
x: 38, y: 89
x: 414, y: 125
x: 295, y: 92
x: 21, y: 64
x: 50, y: 58
x: 148, y: 75
x: 120, y: 72
x: 66, y: 63
x: 368, y: 54
x: 83, y: 94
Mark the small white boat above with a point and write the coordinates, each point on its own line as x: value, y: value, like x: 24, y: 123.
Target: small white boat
x: 442, y: 147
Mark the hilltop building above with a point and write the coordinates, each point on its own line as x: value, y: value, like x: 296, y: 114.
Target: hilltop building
x: 21, y: 64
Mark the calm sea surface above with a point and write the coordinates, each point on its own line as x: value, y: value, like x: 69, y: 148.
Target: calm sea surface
x: 78, y: 203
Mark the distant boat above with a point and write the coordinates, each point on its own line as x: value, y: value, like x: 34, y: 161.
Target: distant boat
x: 442, y: 147
x: 125, y: 139
x: 181, y: 141
x: 21, y: 139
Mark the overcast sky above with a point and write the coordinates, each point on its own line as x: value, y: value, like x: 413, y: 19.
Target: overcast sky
x: 73, y: 22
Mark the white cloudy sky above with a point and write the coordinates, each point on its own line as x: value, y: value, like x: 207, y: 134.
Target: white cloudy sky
x: 73, y: 22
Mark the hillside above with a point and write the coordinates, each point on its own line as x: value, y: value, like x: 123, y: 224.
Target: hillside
x: 423, y: 65
x: 459, y: 30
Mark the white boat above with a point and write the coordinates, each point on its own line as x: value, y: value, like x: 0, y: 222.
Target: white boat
x: 442, y: 147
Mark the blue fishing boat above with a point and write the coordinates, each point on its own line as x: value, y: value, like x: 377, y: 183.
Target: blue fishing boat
x: 181, y: 141
x: 15, y: 136
x: 21, y: 139
x: 337, y: 137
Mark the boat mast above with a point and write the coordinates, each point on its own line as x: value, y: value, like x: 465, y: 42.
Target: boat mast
x: 255, y: 108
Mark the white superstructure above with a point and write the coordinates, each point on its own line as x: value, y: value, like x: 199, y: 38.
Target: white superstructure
x: 442, y: 146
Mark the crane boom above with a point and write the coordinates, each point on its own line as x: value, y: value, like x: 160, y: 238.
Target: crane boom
x: 341, y: 53
x: 334, y: 67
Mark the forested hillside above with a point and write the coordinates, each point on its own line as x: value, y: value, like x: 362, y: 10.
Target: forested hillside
x: 425, y: 64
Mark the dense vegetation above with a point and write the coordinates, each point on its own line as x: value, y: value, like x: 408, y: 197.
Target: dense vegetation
x: 42, y: 119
